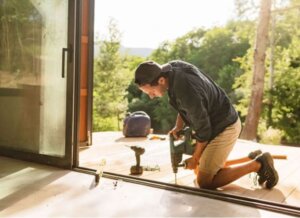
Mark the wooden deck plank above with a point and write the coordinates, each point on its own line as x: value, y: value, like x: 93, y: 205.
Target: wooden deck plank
x: 294, y: 197
x: 111, y: 146
x: 288, y: 185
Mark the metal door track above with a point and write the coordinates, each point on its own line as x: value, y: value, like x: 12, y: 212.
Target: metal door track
x: 252, y: 202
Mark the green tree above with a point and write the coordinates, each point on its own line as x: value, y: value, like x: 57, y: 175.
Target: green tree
x: 214, y: 51
x: 20, y: 37
x: 182, y: 48
x: 255, y: 106
x: 111, y: 77
x: 285, y: 92
x: 286, y: 57
x: 286, y: 105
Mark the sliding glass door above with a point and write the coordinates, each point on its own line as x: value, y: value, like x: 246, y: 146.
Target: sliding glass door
x: 36, y: 74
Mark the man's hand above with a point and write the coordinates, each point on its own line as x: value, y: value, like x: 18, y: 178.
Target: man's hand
x: 191, y: 163
x: 178, y: 126
x: 174, y: 132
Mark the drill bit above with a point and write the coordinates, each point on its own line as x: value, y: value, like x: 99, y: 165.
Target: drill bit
x: 175, y: 178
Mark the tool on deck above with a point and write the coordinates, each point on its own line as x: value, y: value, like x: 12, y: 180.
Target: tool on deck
x: 137, y: 169
x: 245, y: 159
x: 154, y: 137
x: 99, y: 171
x: 151, y: 168
x: 137, y: 124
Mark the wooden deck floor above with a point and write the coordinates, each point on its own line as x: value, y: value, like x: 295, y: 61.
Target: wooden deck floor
x: 112, y: 147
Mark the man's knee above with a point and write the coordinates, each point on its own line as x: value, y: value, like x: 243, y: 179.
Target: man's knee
x: 205, y: 180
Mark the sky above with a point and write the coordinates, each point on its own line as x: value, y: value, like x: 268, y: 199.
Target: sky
x: 147, y: 23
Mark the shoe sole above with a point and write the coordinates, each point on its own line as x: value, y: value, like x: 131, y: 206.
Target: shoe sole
x: 270, y: 165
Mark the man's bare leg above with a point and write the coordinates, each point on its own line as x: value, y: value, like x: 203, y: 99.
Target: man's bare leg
x: 226, y: 175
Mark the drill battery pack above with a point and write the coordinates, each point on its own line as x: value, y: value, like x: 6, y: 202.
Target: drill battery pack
x: 137, y: 124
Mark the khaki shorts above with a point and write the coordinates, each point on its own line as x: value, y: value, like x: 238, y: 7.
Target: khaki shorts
x: 216, y: 152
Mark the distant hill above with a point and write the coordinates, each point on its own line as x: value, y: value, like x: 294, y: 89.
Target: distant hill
x: 143, y: 52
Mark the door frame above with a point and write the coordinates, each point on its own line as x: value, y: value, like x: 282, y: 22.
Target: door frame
x: 84, y: 72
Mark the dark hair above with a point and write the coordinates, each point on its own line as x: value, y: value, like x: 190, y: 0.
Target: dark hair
x: 149, y: 72
x: 155, y: 81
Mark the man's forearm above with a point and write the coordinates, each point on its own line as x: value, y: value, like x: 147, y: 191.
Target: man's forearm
x: 179, y: 122
x: 200, y: 146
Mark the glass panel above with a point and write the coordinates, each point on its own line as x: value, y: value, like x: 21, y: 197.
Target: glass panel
x: 32, y: 91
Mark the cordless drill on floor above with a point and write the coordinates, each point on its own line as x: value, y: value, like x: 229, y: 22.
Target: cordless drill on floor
x: 185, y: 145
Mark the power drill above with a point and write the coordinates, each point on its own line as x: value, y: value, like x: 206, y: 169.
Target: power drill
x: 184, y: 146
x: 137, y: 169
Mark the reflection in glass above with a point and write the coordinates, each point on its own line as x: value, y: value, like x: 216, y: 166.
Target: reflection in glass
x: 32, y: 92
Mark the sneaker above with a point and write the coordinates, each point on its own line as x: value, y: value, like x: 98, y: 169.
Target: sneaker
x: 252, y: 155
x: 267, y: 173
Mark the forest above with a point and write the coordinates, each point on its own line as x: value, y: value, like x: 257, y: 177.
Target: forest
x: 227, y: 54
